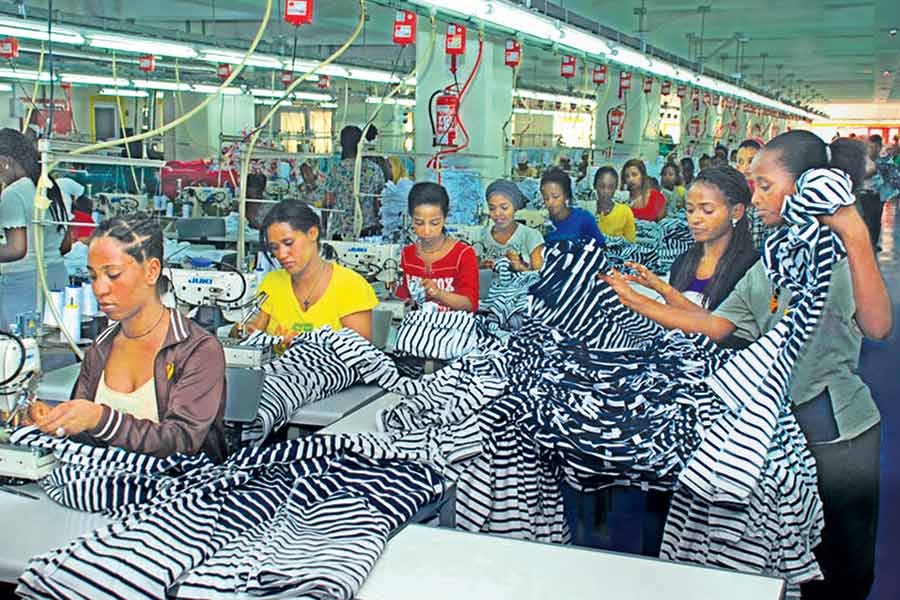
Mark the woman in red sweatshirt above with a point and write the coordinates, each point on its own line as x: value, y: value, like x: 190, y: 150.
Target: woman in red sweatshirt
x: 437, y: 268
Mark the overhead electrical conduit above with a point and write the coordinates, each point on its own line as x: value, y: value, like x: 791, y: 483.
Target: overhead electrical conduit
x: 357, y: 165
x: 37, y: 86
x: 42, y: 203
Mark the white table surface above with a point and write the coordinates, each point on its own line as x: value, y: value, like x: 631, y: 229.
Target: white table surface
x: 33, y: 527
x: 444, y: 564
x: 56, y: 385
x: 363, y: 420
x: 334, y: 408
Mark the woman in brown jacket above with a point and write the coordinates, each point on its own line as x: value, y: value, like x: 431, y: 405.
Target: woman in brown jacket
x: 154, y: 382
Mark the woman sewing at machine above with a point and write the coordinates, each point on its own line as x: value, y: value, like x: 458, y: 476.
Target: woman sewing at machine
x: 308, y: 292
x: 171, y: 404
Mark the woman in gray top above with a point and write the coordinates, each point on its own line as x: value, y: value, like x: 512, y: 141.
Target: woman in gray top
x: 832, y: 404
x: 522, y: 245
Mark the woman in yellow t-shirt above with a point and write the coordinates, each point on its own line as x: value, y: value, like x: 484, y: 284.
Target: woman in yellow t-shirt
x: 308, y: 292
x: 614, y: 218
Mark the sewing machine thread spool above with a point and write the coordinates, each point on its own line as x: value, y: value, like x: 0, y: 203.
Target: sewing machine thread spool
x: 74, y: 295
x: 71, y: 322
x: 57, y: 297
x: 89, y: 301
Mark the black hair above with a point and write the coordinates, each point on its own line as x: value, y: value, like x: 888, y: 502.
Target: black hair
x: 350, y: 137
x: 19, y: 148
x: 735, y: 190
x: 642, y: 168
x: 427, y: 192
x: 257, y: 181
x: 371, y: 133
x: 560, y: 177
x: 673, y: 166
x: 83, y: 203
x: 722, y: 148
x: 876, y: 139
x: 800, y: 150
x: 296, y: 214
x: 606, y: 170
x: 750, y: 143
x: 141, y: 236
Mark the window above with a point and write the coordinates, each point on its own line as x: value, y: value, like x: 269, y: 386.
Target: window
x: 292, y: 127
x: 320, y: 126
x: 106, y: 121
x: 575, y: 130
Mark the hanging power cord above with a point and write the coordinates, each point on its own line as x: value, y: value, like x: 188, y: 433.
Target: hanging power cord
x: 41, y: 202
x: 357, y: 165
x: 254, y: 135
x: 119, y: 102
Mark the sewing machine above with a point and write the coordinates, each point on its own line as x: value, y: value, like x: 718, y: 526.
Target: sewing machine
x: 111, y: 205
x: 470, y: 234
x: 534, y: 218
x: 204, y: 201
x: 205, y: 287
x: 375, y: 262
x: 20, y: 365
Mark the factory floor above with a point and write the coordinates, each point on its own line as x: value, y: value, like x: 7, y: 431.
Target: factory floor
x: 878, y: 365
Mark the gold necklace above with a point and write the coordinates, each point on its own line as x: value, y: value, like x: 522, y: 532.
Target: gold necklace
x: 146, y: 333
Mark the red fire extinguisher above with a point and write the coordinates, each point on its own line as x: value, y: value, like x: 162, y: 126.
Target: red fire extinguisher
x: 733, y: 128
x: 223, y: 71
x: 682, y: 91
x: 324, y: 82
x: 624, y: 84
x: 666, y: 88
x: 694, y: 128
x: 648, y: 85
x: 446, y: 109
x: 404, y: 27
x: 600, y: 75
x: 513, y: 55
x: 568, y: 67
x: 9, y: 48
x: 615, y: 123
x: 287, y: 78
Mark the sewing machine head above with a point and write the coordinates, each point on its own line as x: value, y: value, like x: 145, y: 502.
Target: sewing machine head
x: 204, y: 286
x: 375, y: 262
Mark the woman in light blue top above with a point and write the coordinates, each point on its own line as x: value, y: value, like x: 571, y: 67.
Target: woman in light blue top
x: 19, y: 172
x: 522, y: 245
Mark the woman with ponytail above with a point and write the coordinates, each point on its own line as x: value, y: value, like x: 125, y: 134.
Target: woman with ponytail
x: 833, y: 406
x: 20, y: 170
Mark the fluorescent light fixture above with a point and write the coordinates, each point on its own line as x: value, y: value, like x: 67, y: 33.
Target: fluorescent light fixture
x: 264, y: 93
x: 516, y: 19
x: 331, y: 105
x: 123, y: 93
x: 401, y: 101
x: 94, y: 79
x: 273, y: 102
x: 139, y: 45
x: 36, y: 30
x: 214, y: 89
x: 533, y: 95
x: 302, y: 65
x: 313, y: 96
x: 541, y: 112
x: 6, y: 87
x: 373, y: 75
x: 235, y: 58
x: 169, y: 86
x: 23, y: 74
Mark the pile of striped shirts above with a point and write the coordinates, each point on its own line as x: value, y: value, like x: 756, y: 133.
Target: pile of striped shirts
x: 506, y: 305
x: 306, y: 518
x: 657, y: 244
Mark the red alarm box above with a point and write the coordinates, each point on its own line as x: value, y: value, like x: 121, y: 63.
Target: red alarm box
x: 648, y: 85
x: 666, y: 88
x: 513, y: 55
x: 324, y: 82
x: 298, y: 12
x: 147, y: 63
x: 404, y: 27
x: 9, y: 47
x: 568, y: 67
x: 456, y: 40
x: 600, y: 75
x: 223, y: 71
x: 287, y: 78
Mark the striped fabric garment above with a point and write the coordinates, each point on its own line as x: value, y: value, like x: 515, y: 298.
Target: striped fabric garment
x: 308, y: 371
x: 437, y: 335
x: 657, y: 244
x: 306, y: 518
x: 506, y: 304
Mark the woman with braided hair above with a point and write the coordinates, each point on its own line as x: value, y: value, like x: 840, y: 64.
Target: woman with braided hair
x: 20, y: 170
x: 171, y: 404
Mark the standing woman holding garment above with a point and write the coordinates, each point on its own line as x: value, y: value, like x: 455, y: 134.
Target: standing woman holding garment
x: 833, y: 406
x: 20, y: 169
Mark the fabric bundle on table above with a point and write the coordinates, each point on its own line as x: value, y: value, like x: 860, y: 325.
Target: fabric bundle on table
x: 307, y: 371
x: 531, y: 189
x: 466, y: 191
x: 307, y: 518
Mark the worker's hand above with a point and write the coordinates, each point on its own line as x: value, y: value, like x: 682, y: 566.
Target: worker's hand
x: 37, y: 410
x: 515, y: 261
x: 627, y: 295
x: 846, y: 223
x: 645, y: 277
x: 487, y: 264
x: 71, y: 418
x: 432, y: 291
